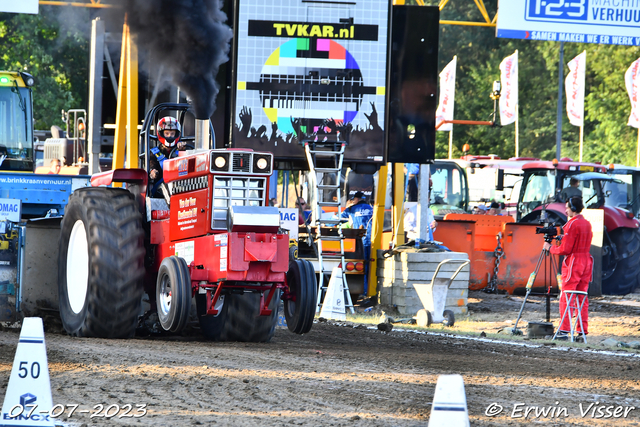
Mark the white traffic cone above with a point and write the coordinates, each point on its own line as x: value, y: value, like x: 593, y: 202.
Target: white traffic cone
x: 449, y: 407
x: 28, y: 399
x: 333, y: 304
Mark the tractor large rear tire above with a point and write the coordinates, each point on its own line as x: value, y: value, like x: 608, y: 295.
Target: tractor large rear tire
x: 239, y: 319
x: 623, y: 277
x: 101, y: 263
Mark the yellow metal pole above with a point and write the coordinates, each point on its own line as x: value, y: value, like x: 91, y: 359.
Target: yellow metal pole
x: 132, y: 103
x: 376, y: 230
x: 398, y: 203
x: 119, y: 140
x: 95, y: 5
x: 468, y: 23
x: 442, y: 4
x: 482, y: 10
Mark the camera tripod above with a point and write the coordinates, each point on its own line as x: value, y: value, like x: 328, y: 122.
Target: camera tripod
x: 542, y: 259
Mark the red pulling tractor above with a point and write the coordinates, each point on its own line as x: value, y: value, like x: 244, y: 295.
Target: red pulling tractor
x: 212, y: 236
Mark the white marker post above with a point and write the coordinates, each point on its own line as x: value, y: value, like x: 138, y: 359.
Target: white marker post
x: 28, y: 399
x: 333, y: 304
x: 449, y: 407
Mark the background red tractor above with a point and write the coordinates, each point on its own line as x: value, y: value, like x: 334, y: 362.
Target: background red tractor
x: 542, y: 185
x: 211, y: 235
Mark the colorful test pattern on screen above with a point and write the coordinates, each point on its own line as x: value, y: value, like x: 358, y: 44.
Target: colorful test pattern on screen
x: 312, y: 72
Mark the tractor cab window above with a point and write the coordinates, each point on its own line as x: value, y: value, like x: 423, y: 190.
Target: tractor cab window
x: 448, y: 186
x: 619, y: 194
x: 539, y: 188
x: 589, y: 189
x: 16, y: 139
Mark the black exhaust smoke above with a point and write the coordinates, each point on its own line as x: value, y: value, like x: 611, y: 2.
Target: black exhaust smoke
x: 189, y: 37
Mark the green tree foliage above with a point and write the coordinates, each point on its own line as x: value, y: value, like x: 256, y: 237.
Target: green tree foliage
x: 607, y: 138
x: 53, y: 47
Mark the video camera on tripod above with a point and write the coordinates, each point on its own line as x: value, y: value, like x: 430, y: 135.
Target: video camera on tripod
x: 550, y: 233
x: 549, y: 230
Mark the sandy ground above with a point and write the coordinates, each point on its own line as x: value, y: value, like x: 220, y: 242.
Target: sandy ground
x: 348, y: 374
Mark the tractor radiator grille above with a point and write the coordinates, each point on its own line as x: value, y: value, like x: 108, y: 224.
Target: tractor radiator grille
x: 188, y: 184
x: 232, y: 191
x: 242, y: 162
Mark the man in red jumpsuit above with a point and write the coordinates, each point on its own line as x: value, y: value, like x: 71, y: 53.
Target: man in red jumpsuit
x: 577, y: 267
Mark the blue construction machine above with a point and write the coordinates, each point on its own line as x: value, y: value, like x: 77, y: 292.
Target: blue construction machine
x: 31, y: 205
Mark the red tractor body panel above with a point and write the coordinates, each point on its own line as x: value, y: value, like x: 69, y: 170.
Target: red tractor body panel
x: 240, y: 257
x: 186, y: 166
x: 133, y: 176
x: 615, y: 218
x: 192, y: 214
x: 215, y: 255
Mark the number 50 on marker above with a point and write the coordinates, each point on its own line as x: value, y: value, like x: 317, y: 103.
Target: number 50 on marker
x: 29, y: 369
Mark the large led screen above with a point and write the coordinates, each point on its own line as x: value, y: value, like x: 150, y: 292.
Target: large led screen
x: 310, y: 71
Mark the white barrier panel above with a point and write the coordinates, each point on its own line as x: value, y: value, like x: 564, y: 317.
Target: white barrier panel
x: 333, y: 304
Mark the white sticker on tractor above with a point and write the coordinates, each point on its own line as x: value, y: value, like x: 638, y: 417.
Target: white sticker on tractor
x: 222, y: 238
x: 223, y: 252
x: 185, y: 250
x: 223, y: 264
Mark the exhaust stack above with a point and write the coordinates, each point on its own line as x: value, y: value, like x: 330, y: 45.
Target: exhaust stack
x: 202, y: 135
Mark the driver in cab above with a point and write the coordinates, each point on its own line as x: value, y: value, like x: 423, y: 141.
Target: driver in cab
x: 571, y: 191
x: 168, y: 133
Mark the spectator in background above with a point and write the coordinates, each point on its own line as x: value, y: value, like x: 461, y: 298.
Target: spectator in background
x: 410, y: 221
x: 495, y: 209
x: 273, y: 202
x: 359, y: 212
x: 54, y: 167
x: 304, y: 213
x: 412, y: 170
x: 480, y: 210
x: 410, y: 224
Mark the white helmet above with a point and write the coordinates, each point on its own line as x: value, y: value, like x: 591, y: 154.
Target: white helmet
x: 168, y: 123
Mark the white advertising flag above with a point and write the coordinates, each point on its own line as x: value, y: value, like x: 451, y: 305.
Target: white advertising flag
x: 632, y: 80
x: 575, y: 89
x: 447, y: 95
x: 509, y: 91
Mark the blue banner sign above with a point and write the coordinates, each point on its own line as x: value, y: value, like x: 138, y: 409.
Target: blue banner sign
x: 582, y: 21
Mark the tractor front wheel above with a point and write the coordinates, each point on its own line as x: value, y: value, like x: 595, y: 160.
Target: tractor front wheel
x: 101, y: 263
x: 173, y: 294
x: 300, y: 306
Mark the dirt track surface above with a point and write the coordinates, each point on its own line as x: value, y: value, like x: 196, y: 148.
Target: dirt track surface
x: 336, y: 375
